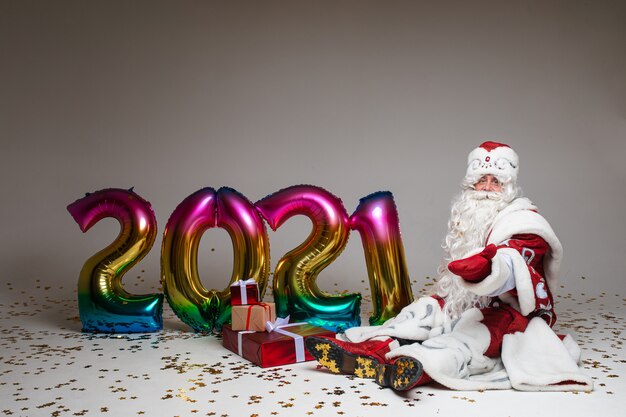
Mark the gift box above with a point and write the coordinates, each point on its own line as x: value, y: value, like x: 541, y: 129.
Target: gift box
x: 253, y: 317
x: 244, y: 292
x: 283, y: 346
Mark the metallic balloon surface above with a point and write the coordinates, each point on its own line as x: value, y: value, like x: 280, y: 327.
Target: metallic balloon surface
x: 251, y: 249
x: 179, y: 260
x: 104, y: 305
x: 295, y: 290
x: 376, y: 219
x: 202, y: 309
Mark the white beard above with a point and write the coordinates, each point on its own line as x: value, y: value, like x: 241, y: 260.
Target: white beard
x: 471, y: 219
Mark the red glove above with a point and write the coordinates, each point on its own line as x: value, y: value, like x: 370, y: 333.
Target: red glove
x: 476, y: 267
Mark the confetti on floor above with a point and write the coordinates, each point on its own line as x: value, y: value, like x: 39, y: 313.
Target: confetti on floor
x: 49, y: 368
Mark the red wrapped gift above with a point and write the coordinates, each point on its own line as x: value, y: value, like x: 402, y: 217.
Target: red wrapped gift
x: 253, y: 317
x: 244, y: 292
x: 282, y: 346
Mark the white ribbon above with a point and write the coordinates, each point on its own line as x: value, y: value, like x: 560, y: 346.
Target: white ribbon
x: 242, y: 288
x: 298, y: 340
x: 240, y: 341
x: 280, y: 321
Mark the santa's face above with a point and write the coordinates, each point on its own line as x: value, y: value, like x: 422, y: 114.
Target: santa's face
x: 488, y: 183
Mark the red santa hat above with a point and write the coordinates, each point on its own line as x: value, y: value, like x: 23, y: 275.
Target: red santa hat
x: 493, y: 158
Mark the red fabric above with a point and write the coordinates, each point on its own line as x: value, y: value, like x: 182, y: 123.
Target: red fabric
x: 489, y: 146
x: 373, y: 348
x: 533, y: 249
x: 568, y: 382
x: 501, y: 320
x: 440, y: 300
x: 424, y: 379
x: 474, y: 268
x: 499, y: 317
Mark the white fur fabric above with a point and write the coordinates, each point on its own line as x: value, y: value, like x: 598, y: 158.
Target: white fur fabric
x: 537, y: 360
x: 457, y: 359
x: 420, y: 320
x: 534, y: 360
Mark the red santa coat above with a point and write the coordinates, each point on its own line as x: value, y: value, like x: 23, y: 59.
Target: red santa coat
x: 510, y: 343
x: 526, y: 244
x: 527, y: 238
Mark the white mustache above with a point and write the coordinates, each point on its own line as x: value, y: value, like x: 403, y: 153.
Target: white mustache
x: 486, y: 195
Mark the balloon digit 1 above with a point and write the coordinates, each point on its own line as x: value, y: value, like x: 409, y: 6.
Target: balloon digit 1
x: 295, y: 290
x: 202, y: 309
x: 103, y: 303
x: 376, y: 220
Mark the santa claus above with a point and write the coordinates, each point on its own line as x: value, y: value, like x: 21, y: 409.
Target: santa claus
x: 489, y: 324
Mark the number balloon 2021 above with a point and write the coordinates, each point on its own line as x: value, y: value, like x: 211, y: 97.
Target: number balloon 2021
x: 105, y: 306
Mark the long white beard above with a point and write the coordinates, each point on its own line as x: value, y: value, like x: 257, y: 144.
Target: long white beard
x: 471, y: 219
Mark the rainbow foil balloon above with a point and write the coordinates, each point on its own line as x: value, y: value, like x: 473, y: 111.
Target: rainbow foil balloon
x: 295, y: 290
x: 104, y: 305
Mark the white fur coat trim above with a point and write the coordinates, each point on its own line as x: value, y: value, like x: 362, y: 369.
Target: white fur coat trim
x: 419, y: 320
x: 499, y: 275
x: 492, y: 282
x: 518, y: 218
x: 537, y: 360
x: 533, y: 360
x: 456, y: 359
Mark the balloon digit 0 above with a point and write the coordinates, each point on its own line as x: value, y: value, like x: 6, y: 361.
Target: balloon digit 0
x: 202, y: 309
x: 179, y: 259
x: 376, y: 219
x: 295, y: 290
x: 104, y: 305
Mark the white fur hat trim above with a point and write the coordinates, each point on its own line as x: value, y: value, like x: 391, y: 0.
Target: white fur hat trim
x: 493, y: 158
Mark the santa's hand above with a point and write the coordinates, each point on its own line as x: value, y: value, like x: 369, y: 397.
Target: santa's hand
x: 476, y: 267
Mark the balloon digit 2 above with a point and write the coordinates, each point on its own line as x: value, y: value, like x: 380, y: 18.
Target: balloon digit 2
x: 295, y: 290
x: 104, y: 305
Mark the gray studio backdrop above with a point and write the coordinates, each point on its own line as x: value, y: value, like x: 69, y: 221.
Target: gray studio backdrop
x: 352, y: 96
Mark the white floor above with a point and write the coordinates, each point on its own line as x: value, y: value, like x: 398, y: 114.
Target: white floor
x: 49, y: 368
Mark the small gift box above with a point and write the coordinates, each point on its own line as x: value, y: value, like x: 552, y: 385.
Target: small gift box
x: 282, y: 346
x: 253, y: 317
x: 244, y: 292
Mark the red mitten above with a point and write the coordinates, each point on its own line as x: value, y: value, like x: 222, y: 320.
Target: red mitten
x: 476, y: 267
